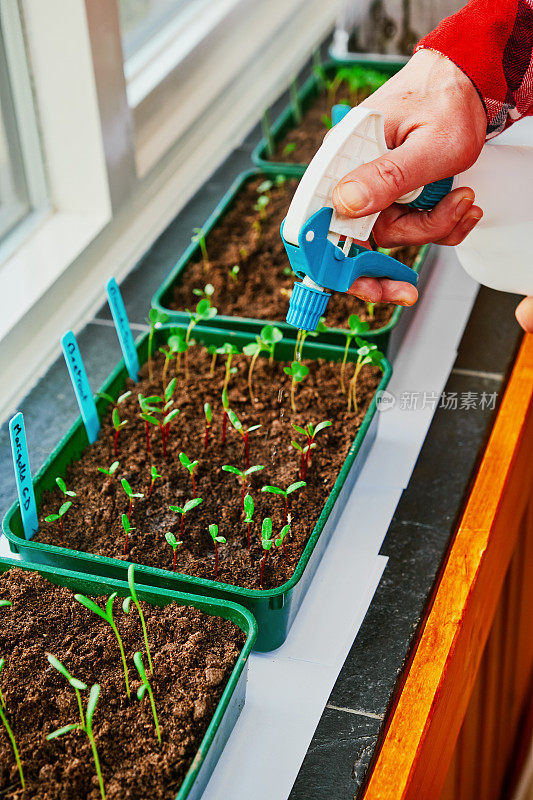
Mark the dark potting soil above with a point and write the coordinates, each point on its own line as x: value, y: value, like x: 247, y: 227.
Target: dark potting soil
x: 193, y: 656
x: 262, y: 289
x: 93, y: 524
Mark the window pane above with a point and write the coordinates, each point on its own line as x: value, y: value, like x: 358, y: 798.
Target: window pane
x: 142, y: 19
x: 14, y: 198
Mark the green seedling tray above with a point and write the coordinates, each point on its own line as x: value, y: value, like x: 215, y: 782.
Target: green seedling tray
x: 161, y: 299
x: 310, y: 90
x: 232, y: 700
x: 274, y: 609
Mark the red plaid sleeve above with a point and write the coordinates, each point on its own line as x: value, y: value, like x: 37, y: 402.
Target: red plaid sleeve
x: 491, y: 41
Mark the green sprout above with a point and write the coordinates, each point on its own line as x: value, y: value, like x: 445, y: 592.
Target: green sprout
x: 198, y: 237
x: 214, y: 351
x: 109, y: 398
x: 243, y: 475
x: 326, y: 121
x: 204, y: 312
x: 178, y: 344
x: 5, y: 604
x: 289, y: 148
x: 66, y: 492
x: 267, y: 541
x: 173, y: 542
x: 366, y: 354
x: 9, y: 731
x: 154, y: 475
x: 126, y: 605
x: 229, y: 350
x: 208, y: 420
x: 265, y: 342
x: 297, y: 372
x: 59, y: 516
x: 107, y: 615
x: 370, y: 309
x: 86, y: 726
x: 189, y: 505
x: 225, y: 407
x: 261, y: 203
x: 155, y: 318
x: 165, y: 415
x: 249, y: 508
x: 233, y: 272
x: 238, y: 426
x: 284, y: 532
x: 111, y: 471
x: 127, y: 528
x: 169, y: 353
x: 190, y: 466
x: 117, y: 425
x: 213, y: 532
x: 131, y: 495
x: 146, y: 688
x: 356, y: 328
x: 310, y: 433
x: 207, y: 292
x: 285, y: 493
x: 302, y: 335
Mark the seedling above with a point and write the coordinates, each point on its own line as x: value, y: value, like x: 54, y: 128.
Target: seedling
x: 66, y: 492
x: 173, y: 542
x: 305, y: 454
x: 107, y: 615
x: 154, y: 475
x: 213, y: 532
x: 243, y: 475
x: 366, y: 354
x: 127, y: 528
x: 10, y: 733
x: 229, y: 351
x: 302, y: 335
x: 155, y: 317
x: 356, y: 328
x: 189, y: 505
x: 167, y: 413
x: 326, y: 121
x: 59, y: 516
x: 117, y: 425
x: 310, y: 433
x: 190, y: 466
x: 169, y: 353
x: 146, y: 688
x: 238, y: 426
x: 111, y: 471
x: 198, y: 237
x: 261, y: 203
x: 121, y: 398
x: 225, y: 406
x: 248, y: 515
x: 370, y: 309
x: 285, y: 493
x: 5, y: 604
x: 126, y: 605
x: 284, y: 532
x: 214, y: 351
x: 297, y: 372
x: 131, y: 495
x: 204, y: 312
x: 206, y: 292
x: 86, y: 726
x: 234, y: 271
x: 265, y: 342
x: 208, y: 420
x: 289, y: 148
x: 266, y: 544
x: 178, y: 344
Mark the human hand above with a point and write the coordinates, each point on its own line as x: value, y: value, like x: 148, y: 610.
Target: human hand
x: 435, y: 124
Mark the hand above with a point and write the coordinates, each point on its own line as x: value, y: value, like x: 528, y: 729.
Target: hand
x: 435, y: 124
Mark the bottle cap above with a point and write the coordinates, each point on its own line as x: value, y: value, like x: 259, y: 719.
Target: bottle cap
x: 432, y: 193
x: 306, y: 307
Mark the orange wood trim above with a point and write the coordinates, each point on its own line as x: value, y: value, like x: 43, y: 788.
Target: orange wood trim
x: 419, y: 742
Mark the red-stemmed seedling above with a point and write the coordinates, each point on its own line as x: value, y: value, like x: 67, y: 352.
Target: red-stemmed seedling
x: 310, y: 433
x: 167, y: 413
x: 147, y: 410
x: 208, y: 420
x: 59, y: 516
x: 280, y: 541
x: 173, y: 542
x: 213, y: 532
x: 285, y: 493
x: 127, y: 528
x: 265, y: 342
x: 304, y: 454
x: 249, y: 508
x: 63, y: 488
x: 111, y: 471
x: 189, y: 505
x: 154, y: 475
x: 190, y: 466
x: 225, y: 406
x: 131, y: 495
x: 117, y: 425
x: 239, y: 427
x: 243, y: 476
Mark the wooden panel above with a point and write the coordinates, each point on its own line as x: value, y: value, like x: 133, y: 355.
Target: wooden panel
x: 419, y: 742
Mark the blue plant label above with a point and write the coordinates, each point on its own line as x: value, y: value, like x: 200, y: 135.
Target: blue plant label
x: 80, y: 383
x: 122, y: 325
x: 21, y: 465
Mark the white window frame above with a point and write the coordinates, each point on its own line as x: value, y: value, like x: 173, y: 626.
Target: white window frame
x: 118, y: 175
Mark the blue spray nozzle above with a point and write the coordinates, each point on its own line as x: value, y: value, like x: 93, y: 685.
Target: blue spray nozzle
x: 306, y: 306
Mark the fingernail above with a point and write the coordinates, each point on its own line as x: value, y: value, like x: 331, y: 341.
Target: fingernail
x: 472, y: 220
x: 352, y: 196
x: 402, y: 301
x: 462, y: 207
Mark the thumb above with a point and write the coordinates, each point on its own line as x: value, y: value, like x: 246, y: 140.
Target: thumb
x: 375, y: 186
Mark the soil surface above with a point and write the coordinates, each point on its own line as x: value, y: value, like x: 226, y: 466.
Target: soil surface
x: 193, y: 656
x: 263, y: 288
x: 93, y: 524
